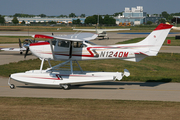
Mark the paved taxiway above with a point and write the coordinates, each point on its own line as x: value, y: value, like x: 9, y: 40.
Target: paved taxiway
x: 108, y: 90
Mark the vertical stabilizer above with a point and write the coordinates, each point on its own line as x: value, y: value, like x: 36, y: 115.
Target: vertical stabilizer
x: 156, y: 38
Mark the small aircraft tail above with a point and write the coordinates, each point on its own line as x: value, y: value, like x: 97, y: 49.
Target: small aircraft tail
x: 155, y: 39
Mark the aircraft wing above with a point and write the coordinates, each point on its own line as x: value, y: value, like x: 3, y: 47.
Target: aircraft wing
x: 13, y: 49
x: 72, y: 37
x: 114, y: 29
x: 101, y: 29
x: 85, y: 29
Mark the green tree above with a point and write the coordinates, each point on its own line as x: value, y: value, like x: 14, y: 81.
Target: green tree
x: 161, y: 20
x: 2, y: 20
x: 15, y: 20
x: 72, y: 15
x: 117, y: 14
x: 90, y: 20
x: 165, y: 14
x: 22, y: 15
x: 109, y: 20
x: 82, y: 15
x: 98, y: 18
x: 61, y: 16
x: 78, y: 21
x: 42, y: 15
x: 149, y: 22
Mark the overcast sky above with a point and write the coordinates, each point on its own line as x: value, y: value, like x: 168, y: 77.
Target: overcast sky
x: 87, y: 7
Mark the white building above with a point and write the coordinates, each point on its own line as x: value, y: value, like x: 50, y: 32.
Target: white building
x: 28, y: 20
x: 133, y: 15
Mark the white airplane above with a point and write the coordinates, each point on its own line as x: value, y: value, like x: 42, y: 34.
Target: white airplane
x: 101, y: 32
x: 23, y: 46
x: 73, y: 48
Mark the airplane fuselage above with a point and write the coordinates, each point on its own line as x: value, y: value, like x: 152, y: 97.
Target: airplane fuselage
x: 83, y: 52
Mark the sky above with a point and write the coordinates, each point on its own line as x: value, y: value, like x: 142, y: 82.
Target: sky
x: 87, y: 7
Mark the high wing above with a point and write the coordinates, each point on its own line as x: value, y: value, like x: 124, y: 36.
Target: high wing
x: 72, y: 37
x: 101, y: 30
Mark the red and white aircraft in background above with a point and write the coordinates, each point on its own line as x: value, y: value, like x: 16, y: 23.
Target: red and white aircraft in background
x: 23, y: 46
x: 73, y: 48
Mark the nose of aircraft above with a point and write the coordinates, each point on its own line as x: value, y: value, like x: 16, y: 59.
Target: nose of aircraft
x: 37, y: 48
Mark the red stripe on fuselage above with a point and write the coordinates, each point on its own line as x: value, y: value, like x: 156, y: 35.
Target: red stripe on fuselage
x: 39, y: 43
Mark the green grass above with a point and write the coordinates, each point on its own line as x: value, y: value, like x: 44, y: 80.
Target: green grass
x: 174, y: 42
x: 81, y: 109
x: 162, y: 68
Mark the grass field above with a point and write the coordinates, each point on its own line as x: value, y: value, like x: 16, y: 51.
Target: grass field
x: 162, y: 68
x: 81, y: 109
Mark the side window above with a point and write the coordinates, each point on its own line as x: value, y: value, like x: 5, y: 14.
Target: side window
x: 78, y: 45
x: 63, y: 43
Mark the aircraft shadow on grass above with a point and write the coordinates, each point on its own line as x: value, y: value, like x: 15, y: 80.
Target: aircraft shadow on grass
x: 148, y: 83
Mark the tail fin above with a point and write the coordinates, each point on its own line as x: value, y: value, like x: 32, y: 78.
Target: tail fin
x: 155, y: 39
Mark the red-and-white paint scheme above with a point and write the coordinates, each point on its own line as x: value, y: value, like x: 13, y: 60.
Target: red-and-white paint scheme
x: 78, y: 47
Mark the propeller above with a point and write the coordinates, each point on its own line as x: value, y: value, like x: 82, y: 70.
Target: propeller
x: 20, y: 45
x: 27, y: 50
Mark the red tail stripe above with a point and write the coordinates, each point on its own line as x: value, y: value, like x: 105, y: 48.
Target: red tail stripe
x: 163, y: 26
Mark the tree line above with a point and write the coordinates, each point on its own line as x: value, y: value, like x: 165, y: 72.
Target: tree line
x: 102, y: 19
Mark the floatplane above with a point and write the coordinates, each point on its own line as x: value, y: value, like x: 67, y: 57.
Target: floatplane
x: 77, y: 47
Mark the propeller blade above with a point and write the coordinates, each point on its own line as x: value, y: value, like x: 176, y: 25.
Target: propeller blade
x: 27, y: 50
x: 20, y: 45
x: 34, y: 40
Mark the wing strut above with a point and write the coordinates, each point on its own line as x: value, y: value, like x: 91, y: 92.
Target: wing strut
x: 68, y: 62
x: 52, y: 49
x: 70, y: 50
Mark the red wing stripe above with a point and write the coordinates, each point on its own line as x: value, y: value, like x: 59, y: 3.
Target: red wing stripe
x: 62, y: 76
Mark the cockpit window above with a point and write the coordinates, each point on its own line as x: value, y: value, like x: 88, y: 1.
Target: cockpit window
x: 53, y: 41
x: 78, y: 45
x: 63, y: 43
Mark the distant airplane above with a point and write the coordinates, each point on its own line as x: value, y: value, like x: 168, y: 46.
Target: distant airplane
x: 77, y: 47
x: 23, y: 46
x: 101, y: 32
